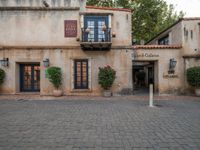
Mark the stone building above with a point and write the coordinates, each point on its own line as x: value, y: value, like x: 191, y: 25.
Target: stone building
x: 66, y: 34
x: 178, y: 45
x: 80, y: 39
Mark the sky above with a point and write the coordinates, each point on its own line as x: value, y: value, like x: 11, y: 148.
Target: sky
x: 190, y: 7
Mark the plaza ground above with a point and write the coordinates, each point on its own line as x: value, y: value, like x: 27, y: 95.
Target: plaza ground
x: 96, y: 123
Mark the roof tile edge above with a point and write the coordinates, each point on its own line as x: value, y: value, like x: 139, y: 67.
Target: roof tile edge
x: 157, y: 46
x: 109, y: 8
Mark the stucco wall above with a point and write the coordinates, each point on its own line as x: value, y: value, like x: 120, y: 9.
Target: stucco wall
x: 191, y: 43
x: 175, y: 35
x: 121, y: 25
x: 46, y: 27
x: 164, y: 82
x: 33, y: 28
x: 36, y: 3
x: 63, y: 58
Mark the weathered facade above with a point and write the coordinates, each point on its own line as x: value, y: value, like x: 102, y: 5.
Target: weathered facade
x: 70, y: 35
x: 180, y: 42
x: 32, y: 32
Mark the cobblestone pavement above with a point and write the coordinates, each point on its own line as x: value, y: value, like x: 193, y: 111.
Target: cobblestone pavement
x: 99, y: 125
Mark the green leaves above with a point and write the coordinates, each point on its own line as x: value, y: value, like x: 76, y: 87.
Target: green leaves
x: 149, y: 17
x: 2, y: 76
x: 106, y: 77
x: 55, y: 76
x: 193, y: 76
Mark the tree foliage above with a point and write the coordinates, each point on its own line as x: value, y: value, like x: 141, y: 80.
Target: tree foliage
x: 149, y: 17
x: 193, y: 76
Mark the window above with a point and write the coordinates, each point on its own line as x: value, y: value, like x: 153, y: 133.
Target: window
x: 96, y: 29
x: 81, y: 74
x: 164, y: 40
x: 191, y: 34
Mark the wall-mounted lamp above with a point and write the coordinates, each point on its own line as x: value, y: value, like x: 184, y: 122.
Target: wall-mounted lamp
x: 45, y: 4
x: 172, y: 65
x: 46, y: 62
x: 113, y: 34
x: 4, y: 62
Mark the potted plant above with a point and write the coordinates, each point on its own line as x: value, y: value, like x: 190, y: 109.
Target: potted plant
x: 106, y: 77
x: 193, y: 78
x: 2, y: 76
x: 55, y: 77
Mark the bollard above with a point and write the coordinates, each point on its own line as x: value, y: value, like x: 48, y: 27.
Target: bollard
x: 151, y: 95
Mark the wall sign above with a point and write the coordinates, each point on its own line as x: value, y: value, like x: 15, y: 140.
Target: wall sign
x: 170, y: 75
x: 70, y: 28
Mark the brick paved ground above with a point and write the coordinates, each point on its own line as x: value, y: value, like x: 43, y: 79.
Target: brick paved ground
x: 107, y: 124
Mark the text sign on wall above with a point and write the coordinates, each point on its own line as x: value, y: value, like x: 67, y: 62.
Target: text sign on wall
x: 70, y: 28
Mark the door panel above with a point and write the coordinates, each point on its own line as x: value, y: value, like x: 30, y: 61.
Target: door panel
x: 81, y: 74
x: 95, y: 24
x: 29, y: 77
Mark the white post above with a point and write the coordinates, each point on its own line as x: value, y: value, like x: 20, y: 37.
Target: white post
x: 151, y: 95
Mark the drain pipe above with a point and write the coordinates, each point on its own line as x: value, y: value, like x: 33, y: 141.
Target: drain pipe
x: 151, y: 95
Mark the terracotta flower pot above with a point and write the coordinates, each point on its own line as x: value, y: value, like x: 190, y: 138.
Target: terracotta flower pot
x: 57, y: 93
x: 107, y: 93
x: 197, y: 91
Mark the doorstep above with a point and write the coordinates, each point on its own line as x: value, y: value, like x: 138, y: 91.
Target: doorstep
x: 27, y: 93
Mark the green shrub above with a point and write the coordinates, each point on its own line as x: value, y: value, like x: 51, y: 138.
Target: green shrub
x: 2, y: 76
x: 55, y: 76
x: 193, y: 76
x: 106, y: 77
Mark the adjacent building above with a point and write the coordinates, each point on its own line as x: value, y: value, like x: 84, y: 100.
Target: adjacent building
x: 37, y: 34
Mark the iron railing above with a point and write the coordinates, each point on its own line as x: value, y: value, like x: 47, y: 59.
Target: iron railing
x: 96, y: 35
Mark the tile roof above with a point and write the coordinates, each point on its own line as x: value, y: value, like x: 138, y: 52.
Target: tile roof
x: 176, y: 22
x: 191, y: 18
x: 109, y: 8
x: 157, y: 46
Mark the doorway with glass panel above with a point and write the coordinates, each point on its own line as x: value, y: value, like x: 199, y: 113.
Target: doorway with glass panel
x: 96, y: 29
x: 29, y: 77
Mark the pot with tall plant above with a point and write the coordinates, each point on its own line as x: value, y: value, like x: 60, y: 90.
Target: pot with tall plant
x: 106, y: 77
x: 55, y: 77
x: 2, y: 76
x: 193, y: 78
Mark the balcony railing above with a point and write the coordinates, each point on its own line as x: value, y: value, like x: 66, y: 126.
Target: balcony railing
x: 96, y: 39
x: 96, y: 35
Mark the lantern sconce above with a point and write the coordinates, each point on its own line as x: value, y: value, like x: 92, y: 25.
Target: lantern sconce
x: 46, y: 62
x: 172, y: 65
x: 113, y: 34
x: 5, y: 62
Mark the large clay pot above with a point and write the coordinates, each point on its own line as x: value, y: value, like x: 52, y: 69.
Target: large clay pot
x: 197, y: 91
x: 57, y: 93
x: 107, y: 93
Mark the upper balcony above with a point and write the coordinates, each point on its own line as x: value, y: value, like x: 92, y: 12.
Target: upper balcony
x: 96, y: 34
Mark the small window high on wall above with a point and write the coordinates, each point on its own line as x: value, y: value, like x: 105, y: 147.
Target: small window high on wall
x: 164, y: 40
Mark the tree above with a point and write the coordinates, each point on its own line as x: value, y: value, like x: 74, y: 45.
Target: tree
x: 149, y: 17
x: 103, y: 3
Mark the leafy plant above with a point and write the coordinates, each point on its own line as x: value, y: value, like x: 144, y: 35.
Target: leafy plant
x: 193, y: 76
x: 106, y: 77
x: 55, y: 76
x: 2, y: 76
